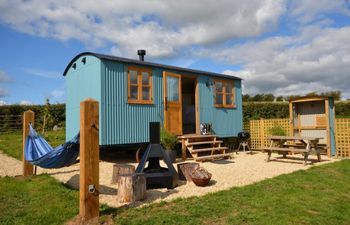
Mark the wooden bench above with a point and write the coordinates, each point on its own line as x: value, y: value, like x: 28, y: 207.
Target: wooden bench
x: 284, y: 152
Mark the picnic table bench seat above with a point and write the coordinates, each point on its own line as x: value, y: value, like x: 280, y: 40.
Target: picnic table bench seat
x: 285, y: 149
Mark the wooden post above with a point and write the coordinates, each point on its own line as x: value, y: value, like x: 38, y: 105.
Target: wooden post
x: 262, y: 132
x: 89, y: 159
x: 28, y: 117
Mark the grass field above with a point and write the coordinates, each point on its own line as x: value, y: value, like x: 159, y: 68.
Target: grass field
x: 36, y: 200
x: 319, y: 195
x: 11, y: 143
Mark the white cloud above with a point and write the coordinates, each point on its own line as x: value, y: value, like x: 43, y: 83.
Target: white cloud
x: 57, y: 93
x: 310, y: 57
x: 3, y: 92
x: 2, y: 102
x: 307, y: 11
x: 4, y: 77
x: 43, y: 73
x: 162, y: 27
x: 294, y: 64
x: 26, y: 102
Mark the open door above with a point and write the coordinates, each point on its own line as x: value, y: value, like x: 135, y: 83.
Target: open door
x: 172, y: 102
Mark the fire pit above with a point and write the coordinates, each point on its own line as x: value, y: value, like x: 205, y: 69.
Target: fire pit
x: 157, y: 176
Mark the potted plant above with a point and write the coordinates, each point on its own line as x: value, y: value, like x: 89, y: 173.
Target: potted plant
x: 168, y: 140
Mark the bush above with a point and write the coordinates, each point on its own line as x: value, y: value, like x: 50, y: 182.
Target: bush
x: 168, y: 140
x: 57, y: 112
x: 277, y: 131
x: 257, y: 110
x: 276, y: 110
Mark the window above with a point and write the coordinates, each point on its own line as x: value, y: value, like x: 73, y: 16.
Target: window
x: 224, y: 94
x: 139, y: 85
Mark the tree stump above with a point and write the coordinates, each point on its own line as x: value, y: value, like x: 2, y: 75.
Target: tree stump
x: 131, y: 187
x: 200, y: 176
x: 185, y: 170
x: 119, y: 169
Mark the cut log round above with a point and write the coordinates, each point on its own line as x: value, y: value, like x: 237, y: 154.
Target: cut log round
x: 200, y: 176
x: 185, y: 170
x: 119, y: 169
x: 131, y: 188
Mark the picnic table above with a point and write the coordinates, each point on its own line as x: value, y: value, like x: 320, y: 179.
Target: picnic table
x: 303, y: 145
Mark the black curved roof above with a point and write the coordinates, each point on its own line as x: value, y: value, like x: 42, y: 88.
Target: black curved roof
x: 144, y: 63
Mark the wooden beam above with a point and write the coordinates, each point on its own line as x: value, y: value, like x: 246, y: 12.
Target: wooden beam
x: 197, y: 107
x: 28, y: 117
x: 326, y: 105
x: 89, y: 159
x: 291, y: 119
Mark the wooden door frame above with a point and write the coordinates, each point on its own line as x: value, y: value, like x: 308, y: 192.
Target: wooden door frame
x: 195, y: 78
x: 165, y: 74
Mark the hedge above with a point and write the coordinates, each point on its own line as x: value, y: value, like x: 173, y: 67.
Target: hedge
x: 269, y: 110
x: 251, y: 111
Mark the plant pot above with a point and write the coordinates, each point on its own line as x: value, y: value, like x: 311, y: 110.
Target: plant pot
x: 171, y: 154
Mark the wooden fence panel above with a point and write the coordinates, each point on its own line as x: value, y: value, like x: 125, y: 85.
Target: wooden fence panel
x: 342, y: 134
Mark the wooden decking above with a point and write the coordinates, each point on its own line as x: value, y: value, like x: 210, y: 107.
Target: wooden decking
x: 203, y: 147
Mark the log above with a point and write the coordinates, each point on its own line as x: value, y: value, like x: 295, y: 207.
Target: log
x: 200, y: 176
x: 131, y: 188
x: 119, y: 169
x: 185, y: 170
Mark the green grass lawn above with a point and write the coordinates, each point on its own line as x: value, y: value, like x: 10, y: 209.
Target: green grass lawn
x: 36, y: 200
x: 320, y: 195
x: 11, y: 143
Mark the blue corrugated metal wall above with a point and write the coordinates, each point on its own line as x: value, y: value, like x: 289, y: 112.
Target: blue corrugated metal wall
x: 81, y: 83
x: 124, y: 123
x: 225, y: 122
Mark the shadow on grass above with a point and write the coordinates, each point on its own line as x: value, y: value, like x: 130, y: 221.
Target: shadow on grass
x: 63, y: 172
x: 296, y: 160
x: 74, y: 181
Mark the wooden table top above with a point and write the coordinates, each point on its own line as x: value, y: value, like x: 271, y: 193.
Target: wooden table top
x: 292, y: 138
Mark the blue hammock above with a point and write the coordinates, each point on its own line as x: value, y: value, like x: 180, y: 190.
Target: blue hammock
x: 38, y: 152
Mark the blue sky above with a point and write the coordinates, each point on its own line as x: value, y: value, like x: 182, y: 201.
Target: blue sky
x: 280, y: 47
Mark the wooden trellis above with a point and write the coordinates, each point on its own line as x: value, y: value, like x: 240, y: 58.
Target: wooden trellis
x: 260, y: 129
x: 342, y: 134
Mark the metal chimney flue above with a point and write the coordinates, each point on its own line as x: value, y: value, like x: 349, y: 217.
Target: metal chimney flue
x: 141, y: 54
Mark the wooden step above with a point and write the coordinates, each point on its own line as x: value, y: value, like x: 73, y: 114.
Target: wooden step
x: 208, y: 149
x: 212, y: 157
x: 203, y: 143
x: 192, y: 136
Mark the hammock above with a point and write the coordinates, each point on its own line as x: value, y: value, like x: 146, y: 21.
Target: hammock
x: 38, y: 152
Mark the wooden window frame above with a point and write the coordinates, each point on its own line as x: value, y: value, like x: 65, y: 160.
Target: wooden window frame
x: 139, y: 85
x: 224, y: 94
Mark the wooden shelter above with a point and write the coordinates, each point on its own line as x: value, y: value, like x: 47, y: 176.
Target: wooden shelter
x: 314, y: 117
